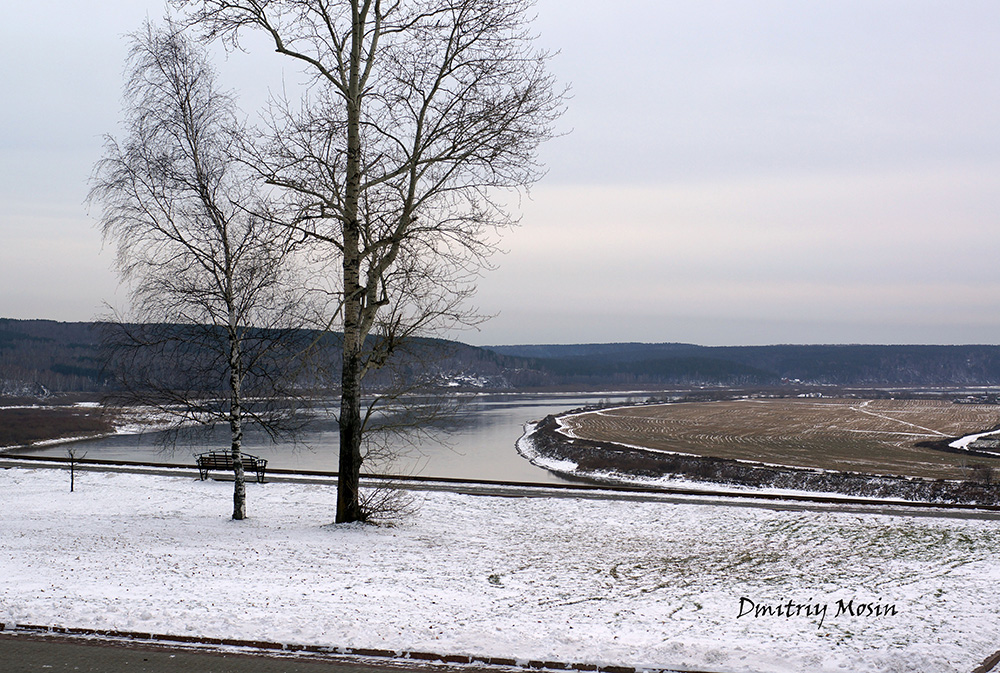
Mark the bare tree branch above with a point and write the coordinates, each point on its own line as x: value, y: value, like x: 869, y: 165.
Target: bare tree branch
x: 416, y: 114
x: 214, y: 325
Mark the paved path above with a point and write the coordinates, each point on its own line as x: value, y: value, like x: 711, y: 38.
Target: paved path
x: 35, y: 654
x: 28, y: 652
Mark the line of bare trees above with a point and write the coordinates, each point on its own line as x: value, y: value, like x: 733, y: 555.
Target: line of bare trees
x: 366, y: 206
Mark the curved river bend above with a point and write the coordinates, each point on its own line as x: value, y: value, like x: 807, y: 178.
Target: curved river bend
x: 480, y: 443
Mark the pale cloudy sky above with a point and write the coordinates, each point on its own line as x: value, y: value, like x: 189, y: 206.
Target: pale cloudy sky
x: 734, y: 172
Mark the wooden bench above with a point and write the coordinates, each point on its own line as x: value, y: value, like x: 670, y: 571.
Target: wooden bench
x: 223, y: 460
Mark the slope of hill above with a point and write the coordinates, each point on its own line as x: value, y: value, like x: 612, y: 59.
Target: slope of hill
x: 40, y: 356
x: 853, y: 365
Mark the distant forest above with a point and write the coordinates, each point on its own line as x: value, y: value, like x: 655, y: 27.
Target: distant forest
x: 40, y: 357
x: 844, y: 365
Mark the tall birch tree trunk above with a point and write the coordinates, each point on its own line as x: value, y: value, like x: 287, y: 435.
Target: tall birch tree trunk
x: 236, y: 429
x: 212, y: 336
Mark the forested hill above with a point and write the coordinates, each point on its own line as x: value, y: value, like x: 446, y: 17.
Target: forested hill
x: 851, y: 365
x: 42, y: 356
x: 37, y: 356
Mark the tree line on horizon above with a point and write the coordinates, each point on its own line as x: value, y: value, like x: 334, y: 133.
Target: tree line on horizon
x: 66, y: 357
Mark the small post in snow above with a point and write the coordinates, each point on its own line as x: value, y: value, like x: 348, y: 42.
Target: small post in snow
x: 72, y: 468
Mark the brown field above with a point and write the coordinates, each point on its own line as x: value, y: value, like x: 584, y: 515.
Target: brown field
x: 22, y: 426
x: 870, y: 436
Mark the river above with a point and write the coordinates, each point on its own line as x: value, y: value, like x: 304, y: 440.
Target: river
x: 479, y: 442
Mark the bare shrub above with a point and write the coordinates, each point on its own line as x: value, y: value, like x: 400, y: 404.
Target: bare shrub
x: 981, y: 474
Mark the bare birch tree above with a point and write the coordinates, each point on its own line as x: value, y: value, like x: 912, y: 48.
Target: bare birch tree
x: 417, y: 112
x: 209, y: 335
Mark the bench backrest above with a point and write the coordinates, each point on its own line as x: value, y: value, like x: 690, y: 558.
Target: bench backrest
x: 225, y: 460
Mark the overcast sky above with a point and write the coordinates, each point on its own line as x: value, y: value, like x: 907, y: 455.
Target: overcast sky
x: 733, y: 172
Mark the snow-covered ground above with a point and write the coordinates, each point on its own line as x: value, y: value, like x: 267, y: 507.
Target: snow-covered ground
x: 613, y: 582
x: 963, y: 442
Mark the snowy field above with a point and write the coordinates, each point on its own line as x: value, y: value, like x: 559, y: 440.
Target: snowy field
x: 637, y: 584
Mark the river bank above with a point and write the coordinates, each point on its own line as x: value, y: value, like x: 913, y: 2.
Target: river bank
x: 33, y: 423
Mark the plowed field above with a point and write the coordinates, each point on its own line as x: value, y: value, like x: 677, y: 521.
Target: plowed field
x: 871, y: 436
